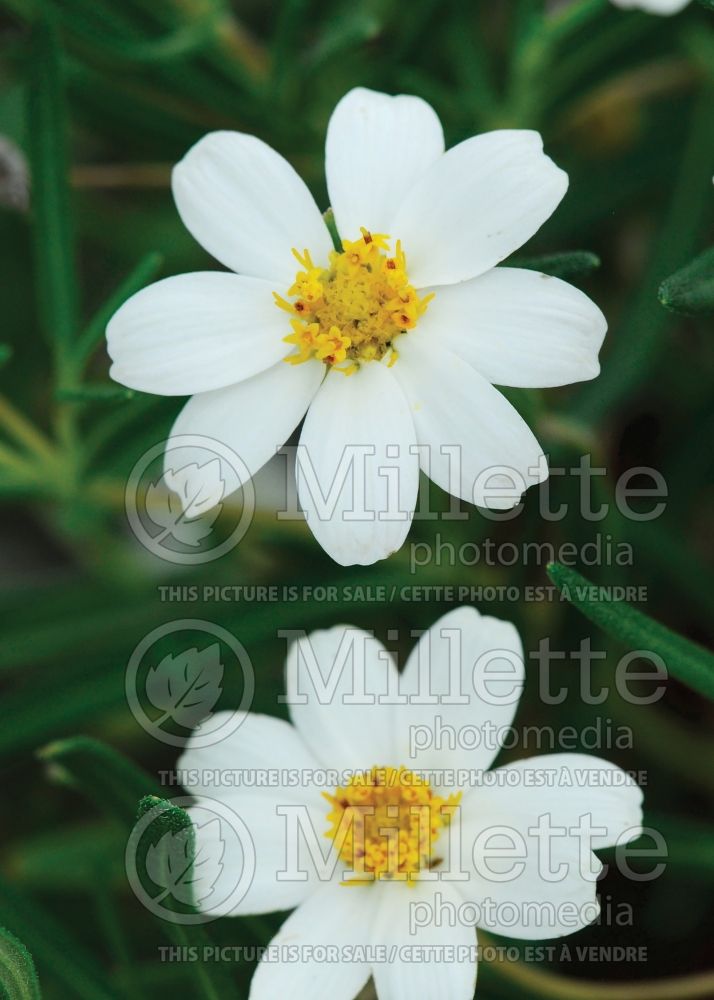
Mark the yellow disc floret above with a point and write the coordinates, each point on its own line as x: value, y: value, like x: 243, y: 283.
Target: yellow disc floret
x: 384, y: 823
x: 353, y: 310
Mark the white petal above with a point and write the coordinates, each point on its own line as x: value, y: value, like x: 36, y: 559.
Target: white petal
x: 653, y: 6
x: 377, y: 146
x: 357, y: 466
x: 338, y: 681
x: 248, y: 207
x: 477, y: 204
x: 261, y: 744
x: 525, y: 884
x: 471, y: 665
x: 518, y: 328
x: 473, y: 443
x: 253, y: 419
x: 424, y: 962
x: 257, y: 838
x: 195, y: 332
x: 334, y: 919
x: 568, y: 786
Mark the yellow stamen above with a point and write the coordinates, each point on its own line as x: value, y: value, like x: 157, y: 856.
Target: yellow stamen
x: 384, y: 823
x: 353, y: 310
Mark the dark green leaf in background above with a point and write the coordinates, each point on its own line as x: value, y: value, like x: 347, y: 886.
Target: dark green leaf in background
x: 18, y: 979
x: 685, y: 660
x: 690, y: 291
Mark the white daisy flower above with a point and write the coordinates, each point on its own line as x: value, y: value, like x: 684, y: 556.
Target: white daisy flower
x: 653, y: 6
x: 389, y: 818
x: 391, y: 345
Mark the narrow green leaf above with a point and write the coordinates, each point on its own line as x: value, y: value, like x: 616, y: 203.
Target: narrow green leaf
x: 691, y: 290
x: 53, y: 948
x: 144, y: 272
x: 50, y: 205
x: 5, y: 354
x: 565, y: 265
x: 103, y: 775
x: 95, y: 392
x: 685, y: 660
x: 18, y: 979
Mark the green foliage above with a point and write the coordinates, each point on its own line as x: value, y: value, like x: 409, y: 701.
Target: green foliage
x: 51, y: 208
x: 167, y: 824
x: 55, y: 950
x: 123, y: 792
x: 106, y: 777
x: 18, y: 979
x: 568, y: 265
x: 685, y: 660
x: 690, y: 291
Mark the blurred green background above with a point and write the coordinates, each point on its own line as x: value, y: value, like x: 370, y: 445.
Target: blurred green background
x: 98, y: 98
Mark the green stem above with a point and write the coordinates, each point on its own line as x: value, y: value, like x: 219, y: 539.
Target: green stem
x: 49, y: 163
x: 15, y: 463
x: 24, y: 432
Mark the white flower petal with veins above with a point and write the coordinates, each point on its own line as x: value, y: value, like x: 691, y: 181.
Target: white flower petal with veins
x: 377, y: 147
x: 477, y: 204
x: 486, y: 656
x: 476, y: 446
x: 224, y: 414
x: 357, y: 442
x: 247, y: 206
x: 403, y: 979
x: 332, y: 918
x: 518, y: 328
x: 329, y: 661
x: 195, y: 332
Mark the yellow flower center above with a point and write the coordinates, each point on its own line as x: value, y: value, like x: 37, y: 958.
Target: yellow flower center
x: 353, y: 310
x: 384, y: 823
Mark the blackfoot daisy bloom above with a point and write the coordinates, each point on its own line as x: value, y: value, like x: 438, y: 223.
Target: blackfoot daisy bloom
x: 391, y: 345
x: 387, y: 804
